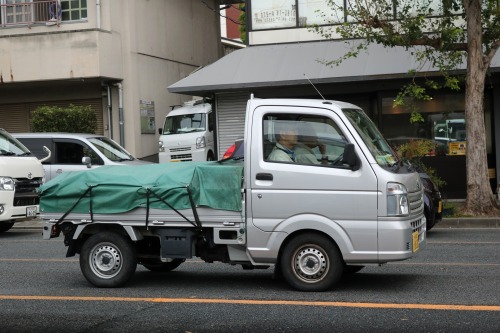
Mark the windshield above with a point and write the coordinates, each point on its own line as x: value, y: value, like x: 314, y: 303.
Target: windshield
x: 370, y: 134
x: 111, y: 149
x: 186, y: 123
x: 10, y: 146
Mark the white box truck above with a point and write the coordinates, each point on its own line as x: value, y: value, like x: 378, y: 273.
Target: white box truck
x: 21, y: 174
x: 188, y: 134
x: 350, y: 203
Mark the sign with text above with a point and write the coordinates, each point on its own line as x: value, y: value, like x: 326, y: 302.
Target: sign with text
x: 147, y: 112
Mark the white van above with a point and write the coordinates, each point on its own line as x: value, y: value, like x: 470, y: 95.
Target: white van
x: 21, y: 174
x: 188, y: 134
x: 76, y: 152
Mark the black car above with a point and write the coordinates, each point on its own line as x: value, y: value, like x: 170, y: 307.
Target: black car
x: 433, y: 203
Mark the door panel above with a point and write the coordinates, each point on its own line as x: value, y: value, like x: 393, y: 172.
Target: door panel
x: 282, y: 190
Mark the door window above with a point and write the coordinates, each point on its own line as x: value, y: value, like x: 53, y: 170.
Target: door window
x: 73, y: 152
x: 302, y: 139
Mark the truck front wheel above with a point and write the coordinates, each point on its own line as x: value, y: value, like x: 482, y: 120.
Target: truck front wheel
x: 108, y: 260
x: 311, y: 262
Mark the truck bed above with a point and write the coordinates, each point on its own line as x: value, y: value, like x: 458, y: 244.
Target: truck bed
x: 153, y: 192
x: 209, y: 217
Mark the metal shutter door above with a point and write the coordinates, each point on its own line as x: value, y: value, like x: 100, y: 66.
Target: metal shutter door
x: 231, y: 109
x: 14, y: 118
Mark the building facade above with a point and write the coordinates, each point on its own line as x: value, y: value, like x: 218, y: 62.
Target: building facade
x: 116, y: 55
x: 285, y: 58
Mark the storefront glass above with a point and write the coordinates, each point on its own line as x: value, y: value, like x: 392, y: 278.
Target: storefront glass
x: 444, y: 123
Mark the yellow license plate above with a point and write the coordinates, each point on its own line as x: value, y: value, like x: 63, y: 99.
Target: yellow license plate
x: 415, y: 241
x: 175, y: 160
x: 440, y: 207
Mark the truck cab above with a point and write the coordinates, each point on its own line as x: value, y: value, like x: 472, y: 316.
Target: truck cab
x: 188, y: 134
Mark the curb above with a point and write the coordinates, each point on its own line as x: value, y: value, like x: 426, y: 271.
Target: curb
x: 469, y: 222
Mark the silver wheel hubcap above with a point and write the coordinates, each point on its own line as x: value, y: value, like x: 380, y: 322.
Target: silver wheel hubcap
x: 310, y: 263
x: 105, y: 260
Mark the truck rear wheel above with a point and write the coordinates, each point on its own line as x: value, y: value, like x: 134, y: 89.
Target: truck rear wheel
x: 5, y: 226
x: 159, y: 266
x: 108, y: 260
x: 311, y: 262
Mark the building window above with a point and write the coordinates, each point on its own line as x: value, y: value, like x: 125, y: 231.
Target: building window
x: 444, y: 123
x: 281, y: 14
x: 19, y: 11
x: 74, y: 10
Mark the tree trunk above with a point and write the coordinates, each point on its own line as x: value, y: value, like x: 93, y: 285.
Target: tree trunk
x: 480, y: 198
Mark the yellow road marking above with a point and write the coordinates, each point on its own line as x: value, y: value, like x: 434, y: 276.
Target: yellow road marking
x: 258, y: 302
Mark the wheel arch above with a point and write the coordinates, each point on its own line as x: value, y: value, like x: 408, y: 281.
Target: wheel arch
x: 82, y: 232
x: 311, y: 223
x: 300, y: 232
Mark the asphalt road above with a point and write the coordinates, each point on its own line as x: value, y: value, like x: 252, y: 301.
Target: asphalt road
x: 453, y: 285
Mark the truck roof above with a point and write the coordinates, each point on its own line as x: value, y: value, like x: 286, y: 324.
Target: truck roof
x: 302, y: 102
x: 190, y: 109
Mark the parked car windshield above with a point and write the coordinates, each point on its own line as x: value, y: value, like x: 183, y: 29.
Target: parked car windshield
x: 186, y: 123
x: 111, y: 149
x: 380, y: 149
x: 10, y: 146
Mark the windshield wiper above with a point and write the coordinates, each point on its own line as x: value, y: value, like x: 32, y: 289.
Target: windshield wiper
x: 7, y: 153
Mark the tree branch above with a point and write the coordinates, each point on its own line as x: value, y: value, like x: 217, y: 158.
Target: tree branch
x: 491, y: 54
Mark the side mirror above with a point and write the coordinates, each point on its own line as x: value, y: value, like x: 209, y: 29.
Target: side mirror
x: 160, y: 131
x: 350, y: 158
x: 87, y: 161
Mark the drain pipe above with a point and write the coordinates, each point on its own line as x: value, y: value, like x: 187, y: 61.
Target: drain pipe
x: 110, y: 114
x: 120, y: 114
x: 98, y: 13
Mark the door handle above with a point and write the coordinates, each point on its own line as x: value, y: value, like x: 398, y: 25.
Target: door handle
x: 264, y: 176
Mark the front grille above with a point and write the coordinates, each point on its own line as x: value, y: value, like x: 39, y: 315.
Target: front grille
x: 26, y: 191
x: 416, y: 202
x: 176, y: 150
x: 419, y: 225
x: 182, y: 157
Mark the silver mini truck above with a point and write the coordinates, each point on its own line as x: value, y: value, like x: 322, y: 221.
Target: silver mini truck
x: 318, y: 194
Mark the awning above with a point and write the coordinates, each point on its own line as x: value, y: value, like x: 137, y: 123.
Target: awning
x: 286, y: 64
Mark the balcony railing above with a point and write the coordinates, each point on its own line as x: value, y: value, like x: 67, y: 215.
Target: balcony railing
x: 30, y: 13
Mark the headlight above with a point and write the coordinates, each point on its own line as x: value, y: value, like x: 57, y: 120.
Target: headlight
x: 200, y: 142
x: 7, y: 184
x: 397, y: 200
x: 160, y: 145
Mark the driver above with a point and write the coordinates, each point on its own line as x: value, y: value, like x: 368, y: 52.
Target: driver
x: 307, y: 141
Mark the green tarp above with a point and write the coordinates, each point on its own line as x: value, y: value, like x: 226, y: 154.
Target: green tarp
x: 119, y: 189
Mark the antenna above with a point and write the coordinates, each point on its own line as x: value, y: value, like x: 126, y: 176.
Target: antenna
x: 314, y: 87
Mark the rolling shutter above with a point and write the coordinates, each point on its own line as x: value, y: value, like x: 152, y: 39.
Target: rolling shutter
x: 14, y: 118
x: 231, y: 109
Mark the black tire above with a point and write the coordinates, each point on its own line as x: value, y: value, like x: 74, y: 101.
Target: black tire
x: 311, y: 262
x: 352, y: 269
x: 163, y: 266
x: 108, y: 259
x: 429, y: 219
x: 210, y: 156
x: 5, y: 226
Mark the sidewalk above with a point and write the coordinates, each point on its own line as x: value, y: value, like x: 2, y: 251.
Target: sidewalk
x: 453, y: 222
